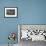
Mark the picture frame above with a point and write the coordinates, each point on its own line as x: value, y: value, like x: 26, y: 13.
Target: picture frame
x: 40, y: 28
x: 10, y: 12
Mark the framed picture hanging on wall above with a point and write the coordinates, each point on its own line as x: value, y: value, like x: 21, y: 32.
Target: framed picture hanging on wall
x: 11, y: 12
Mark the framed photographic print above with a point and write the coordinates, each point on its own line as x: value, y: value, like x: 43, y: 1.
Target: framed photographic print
x: 11, y: 12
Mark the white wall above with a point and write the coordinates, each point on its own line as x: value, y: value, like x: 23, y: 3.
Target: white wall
x: 41, y: 27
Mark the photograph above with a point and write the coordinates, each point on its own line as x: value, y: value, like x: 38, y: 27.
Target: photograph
x: 30, y: 33
x: 11, y: 12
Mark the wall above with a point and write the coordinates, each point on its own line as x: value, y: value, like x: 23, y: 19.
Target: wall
x: 33, y: 27
x: 29, y: 12
x: 34, y: 13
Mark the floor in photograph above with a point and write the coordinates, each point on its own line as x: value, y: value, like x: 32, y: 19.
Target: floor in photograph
x: 34, y: 43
